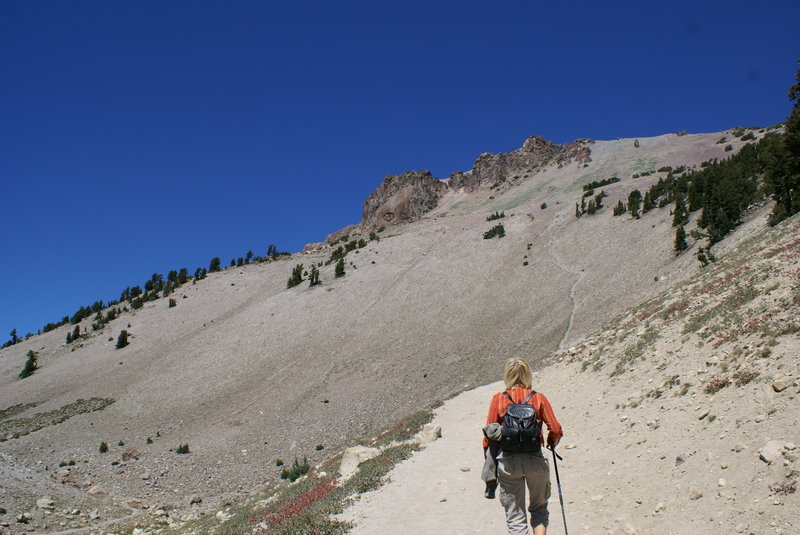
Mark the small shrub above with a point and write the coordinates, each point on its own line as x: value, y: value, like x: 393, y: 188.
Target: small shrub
x: 120, y: 443
x: 296, y: 470
x: 496, y: 215
x: 30, y: 365
x: 320, y: 447
x: 149, y: 440
x: 497, y: 230
x: 103, y: 447
x: 717, y: 384
x: 278, y: 462
x: 183, y: 449
x: 748, y: 136
x: 742, y: 377
x: 728, y: 148
x: 172, y: 303
x: 122, y: 339
x: 543, y: 205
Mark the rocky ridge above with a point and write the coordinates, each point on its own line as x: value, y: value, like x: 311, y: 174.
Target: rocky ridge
x: 407, y: 196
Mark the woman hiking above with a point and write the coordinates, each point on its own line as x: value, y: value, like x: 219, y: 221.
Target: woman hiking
x: 520, y: 462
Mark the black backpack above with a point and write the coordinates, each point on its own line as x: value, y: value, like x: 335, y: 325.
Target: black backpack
x: 522, y: 429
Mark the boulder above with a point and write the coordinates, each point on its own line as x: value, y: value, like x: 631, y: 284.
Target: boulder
x: 354, y: 456
x: 45, y: 502
x: 429, y: 433
x: 781, y: 382
x: 771, y: 451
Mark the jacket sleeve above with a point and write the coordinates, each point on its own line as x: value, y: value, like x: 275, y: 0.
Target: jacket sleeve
x: 554, y: 431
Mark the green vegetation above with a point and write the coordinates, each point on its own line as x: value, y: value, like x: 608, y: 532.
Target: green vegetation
x: 782, y: 179
x: 339, y: 271
x: 30, y: 365
x: 634, y: 202
x: 496, y: 215
x: 680, y: 240
x: 620, y: 208
x: 497, y: 230
x: 296, y: 470
x: 297, y: 276
x: 103, y: 447
x: 122, y: 339
x: 183, y: 449
x: 313, y: 278
x: 599, y: 183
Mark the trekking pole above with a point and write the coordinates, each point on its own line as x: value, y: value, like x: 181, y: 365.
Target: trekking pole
x: 558, y: 482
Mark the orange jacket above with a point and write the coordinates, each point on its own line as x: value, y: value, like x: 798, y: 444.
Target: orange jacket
x: 497, y: 410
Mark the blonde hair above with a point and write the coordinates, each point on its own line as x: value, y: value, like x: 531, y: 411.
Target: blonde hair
x: 517, y: 373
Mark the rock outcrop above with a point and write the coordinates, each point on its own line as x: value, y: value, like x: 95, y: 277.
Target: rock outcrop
x: 402, y: 198
x: 408, y: 196
x: 491, y: 169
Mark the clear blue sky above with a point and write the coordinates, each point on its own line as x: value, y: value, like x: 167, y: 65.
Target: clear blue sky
x: 139, y: 137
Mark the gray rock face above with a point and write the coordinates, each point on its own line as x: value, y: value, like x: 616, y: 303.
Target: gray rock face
x: 402, y: 198
x: 490, y: 169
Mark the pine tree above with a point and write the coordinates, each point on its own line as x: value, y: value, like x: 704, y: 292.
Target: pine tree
x: 122, y: 339
x: 783, y: 176
x: 634, y: 202
x: 30, y: 365
x: 339, y: 271
x: 592, y: 208
x: 313, y: 278
x: 620, y: 208
x: 297, y: 276
x: 13, y: 336
x: 680, y: 240
x: 681, y: 214
x: 248, y: 257
x: 577, y: 211
x: 648, y: 203
x: 214, y: 265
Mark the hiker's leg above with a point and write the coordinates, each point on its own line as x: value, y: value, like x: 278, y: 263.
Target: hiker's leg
x: 511, y: 483
x: 537, y: 476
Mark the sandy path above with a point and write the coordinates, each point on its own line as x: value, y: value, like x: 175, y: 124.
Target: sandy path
x: 431, y: 494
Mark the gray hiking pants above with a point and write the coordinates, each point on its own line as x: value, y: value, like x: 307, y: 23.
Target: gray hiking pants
x: 515, y: 472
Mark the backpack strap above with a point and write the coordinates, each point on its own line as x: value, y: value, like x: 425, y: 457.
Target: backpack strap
x: 527, y: 399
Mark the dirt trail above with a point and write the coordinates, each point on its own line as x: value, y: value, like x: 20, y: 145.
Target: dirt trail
x: 439, y: 490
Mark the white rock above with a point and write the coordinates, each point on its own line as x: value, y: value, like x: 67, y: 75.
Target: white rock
x: 45, y: 502
x: 661, y: 507
x: 771, y: 451
x: 760, y: 418
x: 781, y: 382
x: 428, y: 434
x: 739, y: 447
x: 354, y: 456
x: 790, y: 446
x: 695, y: 494
x: 721, y: 482
x: 598, y: 498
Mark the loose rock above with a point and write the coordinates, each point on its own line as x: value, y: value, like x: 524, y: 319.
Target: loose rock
x: 45, y: 503
x: 771, y: 451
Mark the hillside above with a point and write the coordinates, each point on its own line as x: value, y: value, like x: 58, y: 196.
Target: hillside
x: 681, y: 416
x: 246, y: 371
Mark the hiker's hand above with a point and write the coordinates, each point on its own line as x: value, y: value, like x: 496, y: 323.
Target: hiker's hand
x: 552, y: 440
